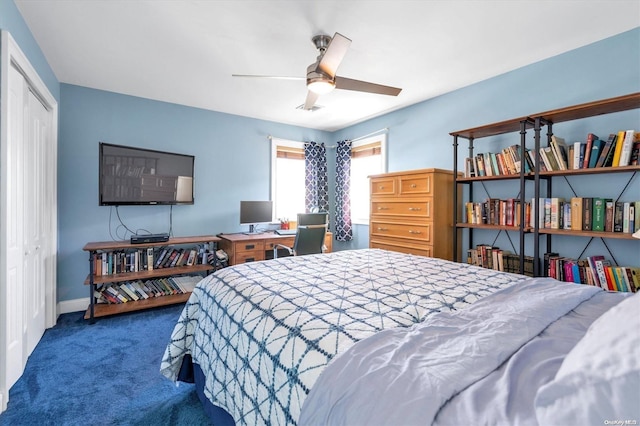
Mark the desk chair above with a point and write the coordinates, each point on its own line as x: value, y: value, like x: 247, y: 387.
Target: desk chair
x: 309, y: 240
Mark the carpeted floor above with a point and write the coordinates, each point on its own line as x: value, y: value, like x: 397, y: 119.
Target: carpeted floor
x: 107, y: 373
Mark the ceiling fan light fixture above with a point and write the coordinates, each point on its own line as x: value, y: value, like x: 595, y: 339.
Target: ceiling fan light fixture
x: 321, y: 86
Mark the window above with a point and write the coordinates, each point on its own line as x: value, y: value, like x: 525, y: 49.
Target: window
x: 368, y: 157
x: 287, y: 181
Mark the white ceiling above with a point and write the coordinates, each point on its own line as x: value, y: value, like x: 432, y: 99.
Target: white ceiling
x: 184, y: 51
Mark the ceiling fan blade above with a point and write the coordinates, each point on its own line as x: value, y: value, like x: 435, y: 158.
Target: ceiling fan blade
x: 278, y: 77
x: 311, y: 100
x: 334, y: 54
x: 364, y: 86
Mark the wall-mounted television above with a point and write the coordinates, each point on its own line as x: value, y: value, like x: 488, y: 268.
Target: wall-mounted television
x: 140, y: 176
x: 255, y: 212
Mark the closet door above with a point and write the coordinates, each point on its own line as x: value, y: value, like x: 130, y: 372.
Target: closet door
x: 28, y: 212
x: 34, y: 220
x: 14, y: 190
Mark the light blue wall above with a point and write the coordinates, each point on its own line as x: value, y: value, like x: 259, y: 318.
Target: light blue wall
x: 232, y: 153
x: 11, y: 20
x: 419, y: 135
x: 232, y: 164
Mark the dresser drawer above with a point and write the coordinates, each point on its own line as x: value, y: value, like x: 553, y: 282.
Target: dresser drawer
x: 383, y: 186
x: 406, y: 208
x: 249, y: 246
x: 420, y: 232
x: 270, y: 244
x: 248, y: 256
x: 415, y: 185
x: 419, y: 251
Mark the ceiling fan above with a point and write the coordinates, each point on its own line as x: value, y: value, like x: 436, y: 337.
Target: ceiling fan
x: 321, y: 75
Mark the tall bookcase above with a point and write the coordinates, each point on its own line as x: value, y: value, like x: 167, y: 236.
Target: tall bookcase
x: 93, y: 280
x: 535, y: 123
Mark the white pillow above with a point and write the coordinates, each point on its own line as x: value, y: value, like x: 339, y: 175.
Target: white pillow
x: 599, y: 380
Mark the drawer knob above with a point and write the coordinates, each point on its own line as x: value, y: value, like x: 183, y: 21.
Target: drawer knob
x: 381, y: 187
x: 414, y: 232
x: 414, y: 209
x: 383, y: 208
x: 383, y: 229
x: 413, y: 185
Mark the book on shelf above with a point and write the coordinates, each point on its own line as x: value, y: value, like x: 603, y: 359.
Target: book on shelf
x: 576, y: 213
x: 578, y: 154
x: 618, y: 151
x: 635, y: 150
x: 627, y: 146
x: 469, y: 167
x: 598, y: 215
x: 587, y: 150
x: 596, y: 148
x: 606, y: 153
x: 559, y: 148
x: 587, y: 210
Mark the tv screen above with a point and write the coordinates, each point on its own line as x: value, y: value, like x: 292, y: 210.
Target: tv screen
x: 138, y: 176
x: 253, y: 212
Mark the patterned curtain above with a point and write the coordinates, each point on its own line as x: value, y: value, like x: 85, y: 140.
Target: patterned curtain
x: 344, y: 230
x: 316, y: 181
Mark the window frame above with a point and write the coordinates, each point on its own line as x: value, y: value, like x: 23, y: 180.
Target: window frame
x: 382, y: 138
x: 275, y: 143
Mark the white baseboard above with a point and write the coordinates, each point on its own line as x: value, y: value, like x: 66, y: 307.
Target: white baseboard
x: 68, y: 306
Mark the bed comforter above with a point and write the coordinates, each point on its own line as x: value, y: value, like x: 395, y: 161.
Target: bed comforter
x: 263, y: 332
x: 494, y: 363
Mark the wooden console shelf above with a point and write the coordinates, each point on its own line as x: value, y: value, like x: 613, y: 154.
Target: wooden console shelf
x: 93, y: 281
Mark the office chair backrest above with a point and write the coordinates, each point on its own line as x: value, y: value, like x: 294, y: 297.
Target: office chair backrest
x: 309, y: 239
x: 313, y: 219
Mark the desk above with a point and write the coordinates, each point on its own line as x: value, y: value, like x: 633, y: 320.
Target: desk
x: 243, y: 248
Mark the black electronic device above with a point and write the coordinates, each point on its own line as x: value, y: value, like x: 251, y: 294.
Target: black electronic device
x: 255, y: 212
x: 140, y: 176
x: 149, y: 238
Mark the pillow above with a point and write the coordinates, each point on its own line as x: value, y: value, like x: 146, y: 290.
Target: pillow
x: 599, y: 379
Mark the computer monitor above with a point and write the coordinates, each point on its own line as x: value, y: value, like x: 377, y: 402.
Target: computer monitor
x: 313, y: 219
x: 255, y: 212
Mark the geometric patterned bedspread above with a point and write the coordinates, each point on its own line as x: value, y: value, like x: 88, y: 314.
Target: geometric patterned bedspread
x: 262, y: 332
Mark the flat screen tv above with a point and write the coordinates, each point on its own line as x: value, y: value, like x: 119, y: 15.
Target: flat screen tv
x: 140, y: 176
x: 255, y: 212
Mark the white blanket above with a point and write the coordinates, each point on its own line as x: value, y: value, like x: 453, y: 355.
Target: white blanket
x: 419, y: 369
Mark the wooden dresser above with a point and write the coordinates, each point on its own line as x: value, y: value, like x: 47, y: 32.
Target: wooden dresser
x: 412, y: 212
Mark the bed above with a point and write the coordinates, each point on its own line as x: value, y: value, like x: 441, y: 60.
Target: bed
x: 542, y: 352
x: 259, y: 335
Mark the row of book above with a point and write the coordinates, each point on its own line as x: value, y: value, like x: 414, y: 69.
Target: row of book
x: 149, y: 258
x: 506, y: 162
x: 588, y: 214
x: 578, y: 213
x: 491, y: 257
x: 593, y: 270
x: 140, y: 290
x: 494, y: 211
x: 620, y: 149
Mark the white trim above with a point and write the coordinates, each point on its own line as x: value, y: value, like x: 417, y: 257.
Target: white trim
x: 75, y: 305
x: 383, y: 154
x: 275, y: 142
x: 12, y: 56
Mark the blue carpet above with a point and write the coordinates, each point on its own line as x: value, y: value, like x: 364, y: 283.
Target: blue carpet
x: 107, y: 373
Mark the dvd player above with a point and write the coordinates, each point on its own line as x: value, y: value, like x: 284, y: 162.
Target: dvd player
x: 149, y: 238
